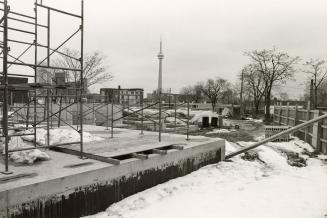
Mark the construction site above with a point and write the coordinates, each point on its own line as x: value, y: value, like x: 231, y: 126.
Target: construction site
x: 68, y: 154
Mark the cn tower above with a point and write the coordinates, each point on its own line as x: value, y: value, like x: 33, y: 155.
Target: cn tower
x: 160, y: 57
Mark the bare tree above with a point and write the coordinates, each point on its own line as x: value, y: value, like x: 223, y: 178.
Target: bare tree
x: 284, y: 96
x: 318, y: 73
x: 212, y: 89
x: 276, y: 67
x: 94, y: 69
x: 194, y: 92
x: 255, y: 84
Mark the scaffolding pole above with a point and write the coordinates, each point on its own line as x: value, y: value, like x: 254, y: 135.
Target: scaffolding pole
x: 5, y: 78
x: 81, y: 77
x: 35, y: 65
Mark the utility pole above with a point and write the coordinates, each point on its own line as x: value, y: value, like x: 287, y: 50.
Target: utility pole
x: 160, y: 57
x: 312, y: 97
x: 241, y: 94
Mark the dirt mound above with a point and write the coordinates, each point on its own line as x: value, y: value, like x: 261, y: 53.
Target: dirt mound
x: 295, y: 160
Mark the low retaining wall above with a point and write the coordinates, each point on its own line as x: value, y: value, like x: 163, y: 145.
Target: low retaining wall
x: 93, y: 191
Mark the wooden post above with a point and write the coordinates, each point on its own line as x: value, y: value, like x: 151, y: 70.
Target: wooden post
x: 60, y: 107
x: 274, y: 114
x: 287, y: 113
x: 316, y: 132
x: 306, y: 133
x: 28, y: 110
x: 295, y: 117
x: 280, y: 115
x: 93, y: 109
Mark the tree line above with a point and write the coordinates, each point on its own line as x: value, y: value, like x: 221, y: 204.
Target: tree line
x: 266, y: 70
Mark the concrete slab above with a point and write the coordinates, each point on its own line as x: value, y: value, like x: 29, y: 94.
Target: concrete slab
x: 125, y: 142
x: 62, y: 185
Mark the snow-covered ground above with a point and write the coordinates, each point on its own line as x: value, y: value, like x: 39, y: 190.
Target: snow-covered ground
x: 57, y: 136
x: 267, y: 187
x: 220, y: 131
x: 60, y: 135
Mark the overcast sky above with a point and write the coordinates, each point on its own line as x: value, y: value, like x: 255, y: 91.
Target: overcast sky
x: 201, y: 38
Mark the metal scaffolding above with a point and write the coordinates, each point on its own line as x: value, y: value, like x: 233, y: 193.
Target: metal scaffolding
x: 46, y: 92
x: 33, y: 21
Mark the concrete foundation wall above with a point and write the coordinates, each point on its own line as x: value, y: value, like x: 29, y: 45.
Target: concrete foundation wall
x: 93, y: 191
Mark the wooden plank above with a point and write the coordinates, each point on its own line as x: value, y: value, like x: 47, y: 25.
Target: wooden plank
x: 88, y: 155
x: 140, y: 156
x: 158, y: 151
x: 131, y: 149
x: 16, y: 177
x: 323, y: 140
x: 177, y: 147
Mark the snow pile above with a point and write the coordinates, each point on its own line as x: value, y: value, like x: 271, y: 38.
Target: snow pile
x: 220, y: 131
x: 23, y: 157
x: 264, y: 188
x: 58, y: 136
x: 178, y: 121
x: 198, y: 116
x: 226, y: 112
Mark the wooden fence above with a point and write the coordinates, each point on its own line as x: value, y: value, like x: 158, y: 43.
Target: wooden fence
x: 315, y: 135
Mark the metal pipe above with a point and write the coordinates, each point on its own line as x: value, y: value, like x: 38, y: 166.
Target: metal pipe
x: 59, y: 116
x: 20, y: 42
x: 142, y: 114
x: 18, y: 58
x: 81, y: 75
x: 10, y: 74
x: 71, y: 36
x: 44, y: 146
x: 288, y: 131
x: 48, y: 113
x: 16, y: 13
x: 60, y: 11
x: 5, y: 81
x: 175, y: 101
x: 135, y: 112
x: 48, y: 39
x: 55, y: 113
x: 188, y: 119
x: 42, y: 66
x: 24, y: 21
x: 35, y: 72
x: 28, y: 110
x: 19, y: 30
x: 44, y: 46
x: 112, y: 114
x: 15, y: 135
x: 107, y: 115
